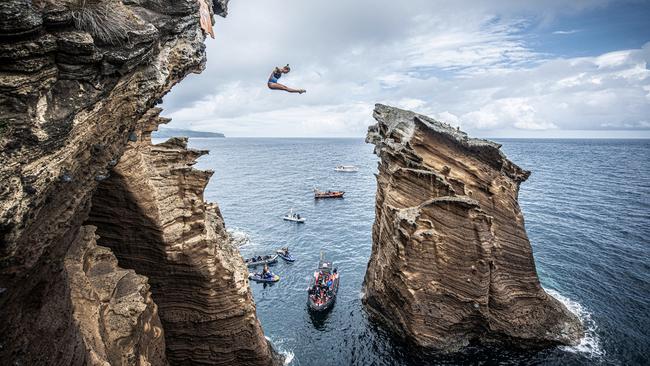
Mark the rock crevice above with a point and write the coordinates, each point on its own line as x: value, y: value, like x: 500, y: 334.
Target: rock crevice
x: 451, y: 262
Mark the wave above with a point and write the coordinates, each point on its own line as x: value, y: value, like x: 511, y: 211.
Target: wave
x: 238, y: 237
x: 288, y: 355
x: 590, y: 344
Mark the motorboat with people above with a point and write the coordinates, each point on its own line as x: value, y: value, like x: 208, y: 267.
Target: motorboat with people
x: 295, y: 217
x: 284, y: 254
x: 328, y: 194
x: 323, y: 288
x: 346, y: 168
x: 261, y: 260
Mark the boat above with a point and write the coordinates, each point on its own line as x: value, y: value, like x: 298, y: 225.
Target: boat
x: 283, y: 253
x: 346, y: 168
x: 261, y: 259
x: 291, y: 216
x: 323, y: 288
x: 257, y: 277
x: 328, y: 194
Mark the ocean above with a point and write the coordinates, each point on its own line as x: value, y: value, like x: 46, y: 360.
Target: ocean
x: 587, y: 211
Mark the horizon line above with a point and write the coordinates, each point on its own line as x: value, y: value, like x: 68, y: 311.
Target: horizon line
x: 363, y: 137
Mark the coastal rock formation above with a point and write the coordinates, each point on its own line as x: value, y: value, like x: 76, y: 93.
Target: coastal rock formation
x: 78, y: 83
x: 451, y: 262
x: 151, y: 213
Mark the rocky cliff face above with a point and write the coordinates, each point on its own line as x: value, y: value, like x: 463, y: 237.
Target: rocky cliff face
x: 451, y: 261
x: 78, y: 83
x: 151, y: 213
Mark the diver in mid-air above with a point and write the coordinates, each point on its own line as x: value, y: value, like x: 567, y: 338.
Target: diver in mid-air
x: 277, y: 74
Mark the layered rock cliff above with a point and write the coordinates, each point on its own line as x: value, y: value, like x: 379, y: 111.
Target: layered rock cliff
x: 151, y: 213
x: 451, y: 262
x: 78, y: 83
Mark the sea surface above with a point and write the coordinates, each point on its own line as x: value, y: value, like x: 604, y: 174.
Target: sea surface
x: 587, y: 211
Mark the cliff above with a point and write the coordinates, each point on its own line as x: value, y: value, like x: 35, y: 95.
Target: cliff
x: 78, y: 84
x: 451, y: 262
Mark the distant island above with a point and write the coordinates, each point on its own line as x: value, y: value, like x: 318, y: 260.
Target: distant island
x: 164, y: 132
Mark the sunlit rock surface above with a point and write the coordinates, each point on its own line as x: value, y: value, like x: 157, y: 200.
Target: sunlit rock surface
x: 451, y: 261
x: 111, y: 306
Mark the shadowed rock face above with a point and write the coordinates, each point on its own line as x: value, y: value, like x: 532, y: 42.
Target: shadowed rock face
x: 112, y: 307
x: 451, y: 261
x: 77, y: 88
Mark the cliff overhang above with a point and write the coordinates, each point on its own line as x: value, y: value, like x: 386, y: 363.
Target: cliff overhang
x: 80, y: 285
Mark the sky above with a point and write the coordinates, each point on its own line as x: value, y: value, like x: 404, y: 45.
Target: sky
x: 501, y: 68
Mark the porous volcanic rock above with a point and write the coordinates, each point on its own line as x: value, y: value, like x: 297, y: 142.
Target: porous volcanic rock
x: 78, y: 84
x: 451, y: 261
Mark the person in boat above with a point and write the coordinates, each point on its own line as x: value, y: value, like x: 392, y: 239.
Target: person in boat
x: 276, y: 75
x: 265, y: 271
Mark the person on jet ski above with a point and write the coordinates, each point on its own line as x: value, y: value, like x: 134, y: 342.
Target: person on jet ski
x: 265, y: 271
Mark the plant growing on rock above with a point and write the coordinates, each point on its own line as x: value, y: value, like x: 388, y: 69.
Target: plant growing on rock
x: 108, y: 21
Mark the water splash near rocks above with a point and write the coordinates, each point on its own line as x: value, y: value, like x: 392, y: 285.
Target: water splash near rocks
x: 590, y: 344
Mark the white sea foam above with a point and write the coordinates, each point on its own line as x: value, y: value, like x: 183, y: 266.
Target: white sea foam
x: 238, y: 237
x: 590, y: 344
x: 288, y: 355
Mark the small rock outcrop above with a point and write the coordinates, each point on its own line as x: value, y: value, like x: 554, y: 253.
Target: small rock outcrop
x: 451, y: 262
x: 79, y: 80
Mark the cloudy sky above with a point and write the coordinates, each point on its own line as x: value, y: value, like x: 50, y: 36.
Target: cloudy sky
x: 502, y: 68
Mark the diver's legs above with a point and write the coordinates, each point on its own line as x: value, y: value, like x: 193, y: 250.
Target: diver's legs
x: 278, y: 86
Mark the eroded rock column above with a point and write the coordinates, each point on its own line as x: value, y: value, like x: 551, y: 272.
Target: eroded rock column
x: 451, y: 261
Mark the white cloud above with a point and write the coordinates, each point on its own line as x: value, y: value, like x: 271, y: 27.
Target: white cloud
x: 465, y: 63
x: 566, y: 32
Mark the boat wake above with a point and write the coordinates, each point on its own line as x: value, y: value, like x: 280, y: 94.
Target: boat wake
x: 238, y: 237
x: 590, y: 344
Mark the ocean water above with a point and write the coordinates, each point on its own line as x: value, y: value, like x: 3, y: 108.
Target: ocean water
x: 587, y: 211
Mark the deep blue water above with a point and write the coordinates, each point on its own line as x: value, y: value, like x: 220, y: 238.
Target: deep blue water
x: 587, y: 210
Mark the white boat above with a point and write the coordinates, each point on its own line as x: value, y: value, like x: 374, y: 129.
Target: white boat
x: 291, y: 216
x: 346, y: 168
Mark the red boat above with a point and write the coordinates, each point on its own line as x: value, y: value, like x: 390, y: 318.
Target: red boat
x: 328, y: 194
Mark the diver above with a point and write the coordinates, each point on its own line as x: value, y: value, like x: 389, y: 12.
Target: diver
x: 277, y: 74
